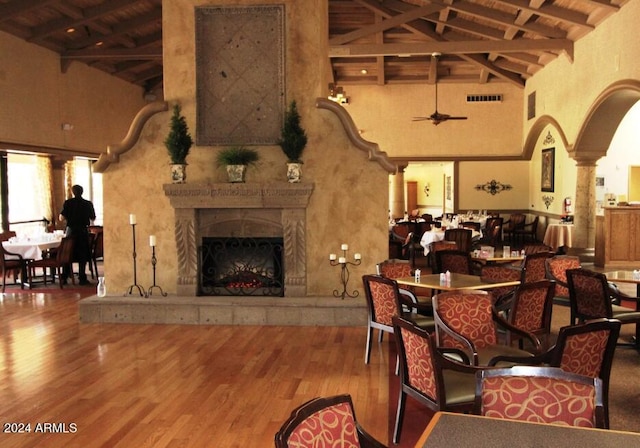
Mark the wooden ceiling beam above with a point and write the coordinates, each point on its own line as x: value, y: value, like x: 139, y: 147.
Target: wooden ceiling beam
x: 86, y: 16
x: 9, y: 11
x: 453, y: 47
x: 551, y: 12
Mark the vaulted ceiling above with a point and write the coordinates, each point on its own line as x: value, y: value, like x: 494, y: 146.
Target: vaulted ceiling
x: 390, y: 41
x: 371, y: 41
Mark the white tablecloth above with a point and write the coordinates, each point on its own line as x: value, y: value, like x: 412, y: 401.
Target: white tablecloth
x: 558, y: 235
x: 31, y: 248
x: 431, y: 236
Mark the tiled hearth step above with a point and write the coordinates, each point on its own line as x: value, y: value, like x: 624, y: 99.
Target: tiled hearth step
x: 227, y: 310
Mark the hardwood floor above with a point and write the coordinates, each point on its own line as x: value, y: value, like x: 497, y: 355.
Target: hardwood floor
x: 171, y: 385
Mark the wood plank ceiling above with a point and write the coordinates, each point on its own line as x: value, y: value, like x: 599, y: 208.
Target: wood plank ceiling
x: 371, y: 41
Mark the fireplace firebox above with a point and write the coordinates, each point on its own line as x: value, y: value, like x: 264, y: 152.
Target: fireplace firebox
x: 242, y: 266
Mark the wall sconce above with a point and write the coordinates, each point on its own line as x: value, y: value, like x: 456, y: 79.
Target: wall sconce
x: 427, y: 187
x: 337, y: 94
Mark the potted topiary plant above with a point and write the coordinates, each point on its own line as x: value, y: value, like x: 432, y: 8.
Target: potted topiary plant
x: 293, y: 140
x: 236, y: 159
x: 178, y: 144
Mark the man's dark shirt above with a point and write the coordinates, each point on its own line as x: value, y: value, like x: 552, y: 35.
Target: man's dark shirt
x: 78, y: 212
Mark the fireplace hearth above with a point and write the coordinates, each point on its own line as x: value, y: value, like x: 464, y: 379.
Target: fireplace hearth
x: 242, y: 267
x: 247, y: 210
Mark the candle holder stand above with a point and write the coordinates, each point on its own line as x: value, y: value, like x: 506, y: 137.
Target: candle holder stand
x: 135, y: 279
x: 344, y: 275
x: 154, y: 261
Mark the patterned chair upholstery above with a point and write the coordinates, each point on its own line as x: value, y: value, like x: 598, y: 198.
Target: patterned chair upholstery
x: 540, y: 395
x: 592, y: 297
x: 469, y: 321
x: 498, y: 273
x: 534, y: 266
x: 585, y: 349
x: 427, y: 376
x: 531, y: 311
x: 325, y: 422
x: 385, y: 300
x: 556, y: 268
x: 437, y: 246
x: 394, y: 269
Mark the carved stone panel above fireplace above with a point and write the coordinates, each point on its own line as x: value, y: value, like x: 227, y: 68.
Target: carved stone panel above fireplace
x: 247, y: 210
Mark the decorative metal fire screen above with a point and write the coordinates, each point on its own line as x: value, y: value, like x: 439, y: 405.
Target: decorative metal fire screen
x: 242, y: 267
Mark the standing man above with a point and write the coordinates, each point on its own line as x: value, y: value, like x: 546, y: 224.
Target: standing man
x: 78, y: 213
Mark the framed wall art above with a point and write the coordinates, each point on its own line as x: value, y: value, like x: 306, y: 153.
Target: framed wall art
x: 548, y: 169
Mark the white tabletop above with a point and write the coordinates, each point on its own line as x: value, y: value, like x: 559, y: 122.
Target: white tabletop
x: 431, y: 236
x: 31, y: 248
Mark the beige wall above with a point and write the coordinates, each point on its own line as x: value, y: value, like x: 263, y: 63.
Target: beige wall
x: 350, y: 201
x: 37, y: 98
x: 384, y: 115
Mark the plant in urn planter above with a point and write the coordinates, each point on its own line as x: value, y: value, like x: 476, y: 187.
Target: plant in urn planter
x: 178, y: 144
x: 293, y: 140
x: 236, y: 159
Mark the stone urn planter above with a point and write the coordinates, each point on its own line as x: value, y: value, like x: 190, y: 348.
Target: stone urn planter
x: 236, y: 173
x: 236, y: 159
x: 294, y: 172
x: 178, y: 173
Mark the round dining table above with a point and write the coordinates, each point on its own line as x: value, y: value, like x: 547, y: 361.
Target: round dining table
x: 31, y: 248
x: 558, y: 235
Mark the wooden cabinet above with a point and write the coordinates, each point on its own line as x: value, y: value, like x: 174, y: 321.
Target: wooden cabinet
x: 617, y: 241
x: 412, y: 195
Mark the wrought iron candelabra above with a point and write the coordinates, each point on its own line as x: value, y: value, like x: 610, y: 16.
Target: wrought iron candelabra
x: 135, y: 279
x: 154, y: 261
x: 344, y: 271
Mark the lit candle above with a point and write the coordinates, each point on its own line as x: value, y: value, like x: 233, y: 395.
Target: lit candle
x: 345, y: 247
x: 357, y: 256
x: 332, y: 257
x: 342, y: 260
x: 132, y: 219
x: 152, y: 240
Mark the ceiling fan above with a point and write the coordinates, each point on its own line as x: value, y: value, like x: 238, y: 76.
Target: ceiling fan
x: 436, y: 118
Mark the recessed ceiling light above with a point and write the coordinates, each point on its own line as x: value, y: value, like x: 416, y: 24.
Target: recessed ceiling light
x: 71, y: 30
x: 364, y: 71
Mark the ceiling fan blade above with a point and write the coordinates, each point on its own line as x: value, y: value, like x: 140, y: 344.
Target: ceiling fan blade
x: 421, y: 118
x: 456, y: 118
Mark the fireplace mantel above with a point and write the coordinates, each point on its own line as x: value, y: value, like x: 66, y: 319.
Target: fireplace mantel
x: 290, y: 199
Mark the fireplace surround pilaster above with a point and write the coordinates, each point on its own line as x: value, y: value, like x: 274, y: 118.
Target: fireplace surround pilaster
x: 199, y: 208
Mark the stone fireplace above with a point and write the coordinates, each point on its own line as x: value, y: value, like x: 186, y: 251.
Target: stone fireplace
x: 246, y: 210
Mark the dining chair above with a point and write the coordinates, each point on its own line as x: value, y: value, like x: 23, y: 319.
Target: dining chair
x: 516, y: 221
x: 528, y: 231
x: 97, y: 251
x: 64, y: 257
x: 456, y: 261
x: 469, y: 321
x: 462, y: 237
x: 592, y: 297
x: 12, y: 265
x: 498, y: 273
x: 385, y: 300
x: 394, y: 269
x: 556, y: 270
x: 530, y: 310
x: 325, y: 422
x: 537, y: 394
x: 585, y: 349
x: 533, y: 266
x: 428, y: 376
x: 492, y: 235
x: 436, y: 246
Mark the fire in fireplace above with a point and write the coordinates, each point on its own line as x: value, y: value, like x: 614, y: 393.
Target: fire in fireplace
x: 242, y: 266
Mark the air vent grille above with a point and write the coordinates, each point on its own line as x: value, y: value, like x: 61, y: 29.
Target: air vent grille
x: 487, y: 98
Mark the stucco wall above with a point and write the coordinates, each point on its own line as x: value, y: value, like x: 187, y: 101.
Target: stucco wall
x: 37, y: 98
x: 350, y: 200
